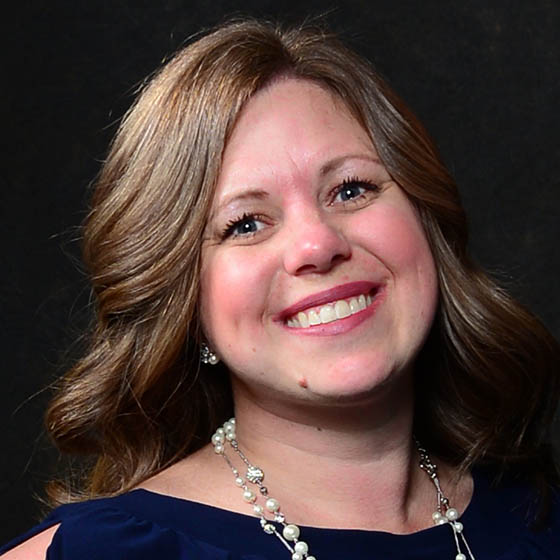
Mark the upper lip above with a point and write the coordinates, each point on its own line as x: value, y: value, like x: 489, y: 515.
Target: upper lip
x: 343, y: 291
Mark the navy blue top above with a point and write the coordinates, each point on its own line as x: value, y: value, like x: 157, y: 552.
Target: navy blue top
x: 143, y: 525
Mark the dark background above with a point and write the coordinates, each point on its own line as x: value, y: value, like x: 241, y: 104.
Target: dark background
x: 483, y: 76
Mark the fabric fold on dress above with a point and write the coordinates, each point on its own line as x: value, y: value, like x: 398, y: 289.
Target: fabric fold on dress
x: 142, y: 525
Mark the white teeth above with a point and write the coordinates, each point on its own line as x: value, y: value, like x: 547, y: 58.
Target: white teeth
x: 362, y: 301
x: 303, y: 320
x: 330, y: 312
x: 342, y: 309
x: 327, y: 314
x: 314, y: 319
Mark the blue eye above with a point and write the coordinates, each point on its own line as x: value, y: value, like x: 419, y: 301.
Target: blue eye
x: 350, y: 191
x: 245, y: 226
x: 353, y: 188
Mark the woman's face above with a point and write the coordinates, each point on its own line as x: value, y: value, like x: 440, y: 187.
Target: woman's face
x: 317, y: 279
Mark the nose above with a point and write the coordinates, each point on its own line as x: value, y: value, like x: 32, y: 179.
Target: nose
x: 315, y: 246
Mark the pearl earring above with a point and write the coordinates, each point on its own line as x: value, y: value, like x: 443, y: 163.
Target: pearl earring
x: 208, y: 356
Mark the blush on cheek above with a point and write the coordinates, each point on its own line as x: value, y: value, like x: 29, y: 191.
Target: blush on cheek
x: 224, y: 286
x: 398, y: 233
x: 232, y: 295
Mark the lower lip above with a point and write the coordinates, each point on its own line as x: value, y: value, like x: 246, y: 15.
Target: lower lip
x: 341, y: 326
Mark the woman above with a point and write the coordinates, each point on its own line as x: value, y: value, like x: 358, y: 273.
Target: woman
x: 271, y: 209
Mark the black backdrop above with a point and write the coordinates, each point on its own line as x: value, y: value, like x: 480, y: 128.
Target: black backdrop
x: 484, y: 77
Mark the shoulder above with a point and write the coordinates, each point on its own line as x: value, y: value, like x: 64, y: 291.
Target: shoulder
x: 542, y: 539
x: 550, y: 527
x: 504, y: 518
x: 105, y: 529
x: 34, y: 548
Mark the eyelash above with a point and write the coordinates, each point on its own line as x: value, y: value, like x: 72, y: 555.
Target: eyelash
x: 232, y: 224
x: 365, y: 183
x: 236, y: 222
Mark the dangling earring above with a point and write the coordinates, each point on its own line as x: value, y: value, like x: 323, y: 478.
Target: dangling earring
x: 208, y: 356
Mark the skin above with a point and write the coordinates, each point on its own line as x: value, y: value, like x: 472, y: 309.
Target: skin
x: 328, y: 418
x: 335, y: 407
x: 304, y: 237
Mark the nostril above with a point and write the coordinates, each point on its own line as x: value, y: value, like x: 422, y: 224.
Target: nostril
x: 339, y: 258
x: 306, y: 268
x: 316, y: 247
x: 322, y: 264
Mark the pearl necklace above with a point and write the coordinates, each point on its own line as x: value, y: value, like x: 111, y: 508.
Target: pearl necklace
x: 288, y: 533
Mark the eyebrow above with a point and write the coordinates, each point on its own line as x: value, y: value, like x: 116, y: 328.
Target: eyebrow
x: 253, y: 194
x: 328, y: 167
x: 337, y: 162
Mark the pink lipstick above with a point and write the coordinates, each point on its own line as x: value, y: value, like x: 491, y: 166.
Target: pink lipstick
x: 343, y: 291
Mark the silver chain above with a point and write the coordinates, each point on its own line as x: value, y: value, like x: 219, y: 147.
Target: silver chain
x: 288, y: 533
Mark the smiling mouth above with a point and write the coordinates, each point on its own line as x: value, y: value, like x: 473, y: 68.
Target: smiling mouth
x: 330, y: 312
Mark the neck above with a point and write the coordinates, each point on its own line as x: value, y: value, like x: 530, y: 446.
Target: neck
x: 334, y: 465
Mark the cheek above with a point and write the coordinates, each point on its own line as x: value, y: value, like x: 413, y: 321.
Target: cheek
x: 233, y: 288
x: 396, y: 237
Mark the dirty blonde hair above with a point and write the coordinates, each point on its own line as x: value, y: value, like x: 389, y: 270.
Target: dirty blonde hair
x: 138, y: 400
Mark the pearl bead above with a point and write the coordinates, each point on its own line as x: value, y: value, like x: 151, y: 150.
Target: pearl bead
x: 452, y: 514
x: 291, y: 532
x: 436, y: 516
x: 272, y: 505
x: 249, y: 496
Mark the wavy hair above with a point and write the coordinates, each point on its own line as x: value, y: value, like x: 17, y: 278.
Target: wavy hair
x: 487, y: 377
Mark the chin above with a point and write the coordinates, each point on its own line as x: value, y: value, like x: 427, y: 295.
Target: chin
x: 356, y: 382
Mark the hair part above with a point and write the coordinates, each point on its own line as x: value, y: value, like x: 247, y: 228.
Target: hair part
x: 139, y: 400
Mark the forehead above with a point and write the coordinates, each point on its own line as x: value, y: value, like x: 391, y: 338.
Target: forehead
x: 292, y: 124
